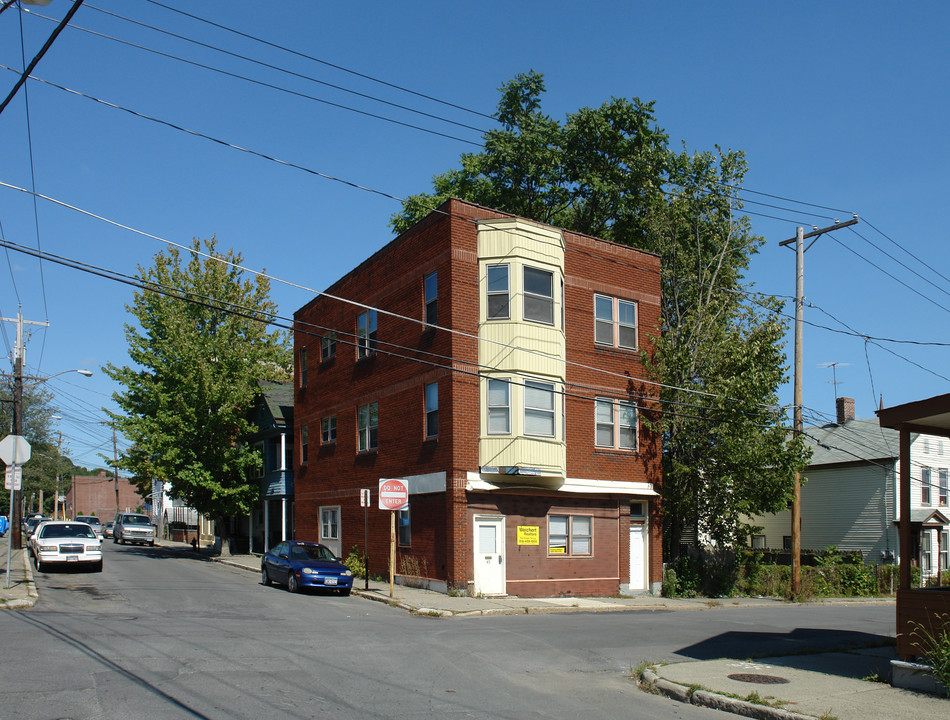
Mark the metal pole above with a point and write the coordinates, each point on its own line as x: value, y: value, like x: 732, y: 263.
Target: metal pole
x: 16, y: 518
x: 392, y: 550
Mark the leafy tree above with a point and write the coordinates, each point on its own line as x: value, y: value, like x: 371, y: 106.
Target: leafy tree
x: 201, y: 344
x: 609, y: 172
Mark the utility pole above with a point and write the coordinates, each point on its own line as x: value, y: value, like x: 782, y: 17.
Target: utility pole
x: 16, y: 538
x: 115, y: 467
x: 797, y: 428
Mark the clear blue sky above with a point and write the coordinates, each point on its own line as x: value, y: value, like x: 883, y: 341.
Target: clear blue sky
x: 842, y: 105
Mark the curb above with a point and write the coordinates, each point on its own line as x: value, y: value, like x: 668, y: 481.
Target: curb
x: 651, y: 682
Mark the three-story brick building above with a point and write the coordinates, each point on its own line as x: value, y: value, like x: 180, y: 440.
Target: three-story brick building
x: 493, y: 364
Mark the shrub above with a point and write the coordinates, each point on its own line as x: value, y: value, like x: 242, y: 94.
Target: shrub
x: 354, y: 561
x: 935, y: 643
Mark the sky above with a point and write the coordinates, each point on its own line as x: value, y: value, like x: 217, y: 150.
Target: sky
x: 136, y: 131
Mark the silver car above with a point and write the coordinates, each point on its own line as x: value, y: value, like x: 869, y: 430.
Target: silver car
x: 133, y: 528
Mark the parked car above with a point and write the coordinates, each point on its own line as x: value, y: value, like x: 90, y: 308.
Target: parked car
x: 28, y: 526
x: 4, y: 524
x: 68, y: 542
x: 93, y: 521
x: 300, y: 565
x: 107, y: 529
x: 133, y: 528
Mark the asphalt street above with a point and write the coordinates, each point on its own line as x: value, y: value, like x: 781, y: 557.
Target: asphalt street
x: 158, y: 633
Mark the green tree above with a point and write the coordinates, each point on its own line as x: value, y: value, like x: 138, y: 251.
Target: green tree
x: 201, y: 343
x: 609, y: 172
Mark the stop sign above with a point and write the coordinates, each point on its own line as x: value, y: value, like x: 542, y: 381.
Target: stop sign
x: 15, y: 449
x: 393, y: 494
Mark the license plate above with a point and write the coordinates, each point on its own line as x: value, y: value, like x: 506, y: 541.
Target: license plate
x: 72, y: 558
x: 329, y: 581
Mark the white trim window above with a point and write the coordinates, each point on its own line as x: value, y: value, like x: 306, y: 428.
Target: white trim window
x: 926, y: 551
x: 328, y: 430
x: 539, y: 408
x: 367, y: 427
x: 616, y: 424
x: 366, y: 334
x: 430, y: 298
x: 498, y: 306
x: 432, y: 410
x: 329, y: 523
x: 570, y: 535
x: 499, y: 406
x: 615, y: 322
x: 538, y: 295
x: 942, y: 486
x: 943, y: 549
x: 925, y: 486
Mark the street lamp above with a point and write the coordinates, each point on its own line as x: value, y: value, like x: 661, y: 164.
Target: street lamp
x: 16, y: 537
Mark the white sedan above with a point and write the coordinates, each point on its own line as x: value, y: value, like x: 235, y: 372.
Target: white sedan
x: 67, y: 542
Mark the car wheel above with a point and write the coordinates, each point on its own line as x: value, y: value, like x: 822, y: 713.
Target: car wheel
x: 39, y: 565
x: 344, y: 592
x: 97, y: 567
x: 151, y: 543
x: 115, y: 539
x: 265, y: 578
x: 292, y: 583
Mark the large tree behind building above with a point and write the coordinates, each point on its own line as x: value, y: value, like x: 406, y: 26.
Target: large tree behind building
x: 200, y: 342
x: 719, y: 360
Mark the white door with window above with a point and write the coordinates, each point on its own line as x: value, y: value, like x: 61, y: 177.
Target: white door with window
x: 490, y: 555
x: 330, y: 528
x: 638, y: 555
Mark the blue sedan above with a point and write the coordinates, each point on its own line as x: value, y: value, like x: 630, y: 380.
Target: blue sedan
x: 300, y: 565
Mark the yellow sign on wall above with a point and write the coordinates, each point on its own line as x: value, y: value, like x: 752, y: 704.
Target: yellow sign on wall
x: 529, y: 535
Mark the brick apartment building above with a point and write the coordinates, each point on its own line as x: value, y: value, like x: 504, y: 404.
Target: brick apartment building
x: 96, y: 495
x: 492, y: 364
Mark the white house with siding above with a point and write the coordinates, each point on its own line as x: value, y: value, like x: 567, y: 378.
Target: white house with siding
x: 850, y: 488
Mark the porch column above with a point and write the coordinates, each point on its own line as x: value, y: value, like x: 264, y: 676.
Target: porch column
x: 904, y: 527
x: 283, y: 518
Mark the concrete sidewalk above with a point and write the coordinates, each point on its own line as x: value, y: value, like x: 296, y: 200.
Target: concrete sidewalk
x: 17, y: 592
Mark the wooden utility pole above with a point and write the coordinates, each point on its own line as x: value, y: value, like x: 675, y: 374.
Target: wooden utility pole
x: 797, y: 427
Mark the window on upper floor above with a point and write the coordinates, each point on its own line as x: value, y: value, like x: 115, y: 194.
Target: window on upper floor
x: 303, y: 444
x: 328, y: 430
x: 274, y: 460
x: 538, y: 295
x: 616, y: 424
x: 367, y: 422
x: 327, y: 346
x: 942, y: 486
x: 302, y: 359
x: 570, y: 535
x: 499, y: 407
x: 925, y: 486
x: 366, y: 334
x: 615, y: 322
x: 499, y: 302
x: 432, y: 410
x: 431, y: 295
x: 538, y: 408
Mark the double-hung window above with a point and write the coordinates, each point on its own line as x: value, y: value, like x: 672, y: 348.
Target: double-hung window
x: 944, y: 550
x: 303, y: 367
x: 499, y: 407
x: 616, y: 424
x: 615, y: 322
x: 538, y: 295
x: 366, y: 334
x: 303, y: 444
x: 367, y: 420
x: 925, y: 486
x: 329, y: 523
x: 926, y: 551
x: 538, y: 408
x: 432, y: 410
x: 570, y: 535
x: 327, y: 346
x: 431, y: 293
x: 942, y: 488
x: 328, y: 430
x: 498, y: 306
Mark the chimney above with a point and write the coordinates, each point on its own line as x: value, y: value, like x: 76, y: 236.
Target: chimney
x: 844, y: 408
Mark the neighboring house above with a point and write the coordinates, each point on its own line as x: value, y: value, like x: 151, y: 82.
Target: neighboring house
x: 849, y: 491
x: 492, y: 364
x: 102, y: 495
x: 176, y: 519
x: 273, y: 414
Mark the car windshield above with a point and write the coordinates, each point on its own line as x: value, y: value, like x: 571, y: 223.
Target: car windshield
x: 311, y: 552
x: 90, y: 520
x: 136, y: 520
x: 69, y: 530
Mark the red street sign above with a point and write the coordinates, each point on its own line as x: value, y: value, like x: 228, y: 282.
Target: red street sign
x: 393, y: 495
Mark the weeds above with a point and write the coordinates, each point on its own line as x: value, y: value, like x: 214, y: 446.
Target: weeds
x: 935, y: 644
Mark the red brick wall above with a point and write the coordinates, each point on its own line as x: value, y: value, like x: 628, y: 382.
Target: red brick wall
x: 409, y: 356
x: 95, y: 495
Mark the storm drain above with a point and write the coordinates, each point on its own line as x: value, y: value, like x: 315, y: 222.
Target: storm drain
x: 757, y: 678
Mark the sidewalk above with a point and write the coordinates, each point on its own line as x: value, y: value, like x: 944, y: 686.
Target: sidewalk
x: 828, y: 685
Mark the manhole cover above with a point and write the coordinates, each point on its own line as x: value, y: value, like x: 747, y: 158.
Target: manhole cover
x: 756, y: 678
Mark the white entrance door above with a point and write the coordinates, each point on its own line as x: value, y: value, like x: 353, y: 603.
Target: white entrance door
x: 489, y: 555
x: 638, y: 541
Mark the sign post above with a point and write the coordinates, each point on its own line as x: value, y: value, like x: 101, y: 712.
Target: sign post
x: 14, y: 451
x: 365, y: 503
x: 393, y: 496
